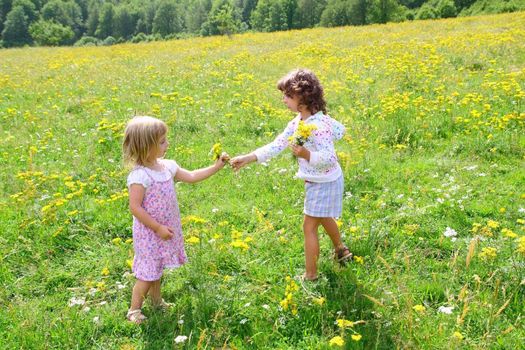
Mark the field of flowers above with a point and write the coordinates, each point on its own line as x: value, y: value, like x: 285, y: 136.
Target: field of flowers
x: 434, y: 205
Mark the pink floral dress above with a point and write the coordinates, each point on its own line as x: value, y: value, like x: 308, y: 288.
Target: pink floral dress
x: 153, y: 254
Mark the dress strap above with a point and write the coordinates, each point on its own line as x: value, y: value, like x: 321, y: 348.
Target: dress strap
x: 149, y: 175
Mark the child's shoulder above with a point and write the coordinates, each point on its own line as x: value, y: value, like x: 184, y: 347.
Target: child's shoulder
x: 170, y: 164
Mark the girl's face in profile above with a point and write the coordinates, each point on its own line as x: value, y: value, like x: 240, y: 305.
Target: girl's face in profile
x: 163, y: 146
x: 292, y: 102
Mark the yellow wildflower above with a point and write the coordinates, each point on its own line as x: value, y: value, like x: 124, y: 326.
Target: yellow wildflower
x: 302, y: 133
x: 239, y: 244
x: 493, y: 224
x: 319, y: 301
x: 457, y: 335
x: 216, y: 151
x: 508, y: 233
x: 101, y: 286
x: 193, y: 240
x: 488, y: 253
x: 105, y: 271
x: 342, y: 323
x: 336, y: 341
x: 356, y: 337
x: 359, y: 259
x: 419, y: 308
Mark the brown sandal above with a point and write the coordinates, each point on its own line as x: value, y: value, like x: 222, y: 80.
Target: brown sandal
x: 136, y: 316
x: 343, y: 255
x: 163, y: 305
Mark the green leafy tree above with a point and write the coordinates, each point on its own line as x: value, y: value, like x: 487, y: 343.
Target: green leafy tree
x: 67, y: 13
x: 49, y: 33
x: 290, y: 9
x: 246, y: 8
x: 197, y: 15
x: 427, y: 11
x: 16, y: 28
x: 222, y: 19
x: 383, y: 11
x: 29, y: 9
x: 447, y: 9
x: 105, y: 21
x: 5, y: 7
x: 92, y: 20
x: 123, y: 26
x: 168, y: 19
x: 269, y: 16
x: 337, y: 13
x: 308, y: 13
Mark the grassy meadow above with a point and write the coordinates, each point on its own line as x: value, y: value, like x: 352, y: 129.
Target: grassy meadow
x: 433, y: 157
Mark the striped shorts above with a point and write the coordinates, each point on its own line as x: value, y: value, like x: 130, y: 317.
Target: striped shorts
x: 324, y: 199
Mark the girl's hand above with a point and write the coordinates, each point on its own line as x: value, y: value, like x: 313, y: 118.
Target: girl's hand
x: 300, y: 151
x: 164, y: 232
x: 222, y: 160
x: 241, y: 161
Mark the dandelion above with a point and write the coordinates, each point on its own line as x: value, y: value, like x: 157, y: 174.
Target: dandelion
x: 508, y: 233
x: 493, y: 224
x: 193, y: 240
x: 342, y: 323
x: 116, y: 241
x: 359, y: 259
x: 488, y: 253
x: 216, y: 151
x: 356, y: 337
x: 101, y: 286
x: 319, y: 301
x: 521, y: 245
x: 419, y: 308
x: 240, y: 244
x: 336, y: 341
x: 105, y: 271
x: 457, y: 335
x: 302, y: 133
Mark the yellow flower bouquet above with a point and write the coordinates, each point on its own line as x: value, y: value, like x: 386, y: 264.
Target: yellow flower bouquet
x: 302, y: 133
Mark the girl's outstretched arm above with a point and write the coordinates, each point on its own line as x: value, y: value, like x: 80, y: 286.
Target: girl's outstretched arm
x: 193, y: 176
x: 136, y: 196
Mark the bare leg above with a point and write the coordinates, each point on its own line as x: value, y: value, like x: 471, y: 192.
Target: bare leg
x: 332, y: 230
x: 140, y: 290
x: 154, y: 293
x: 311, y: 246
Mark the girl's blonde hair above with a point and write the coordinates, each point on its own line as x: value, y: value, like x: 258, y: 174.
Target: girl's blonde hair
x: 142, y: 135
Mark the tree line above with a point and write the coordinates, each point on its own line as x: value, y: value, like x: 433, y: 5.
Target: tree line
x: 103, y: 22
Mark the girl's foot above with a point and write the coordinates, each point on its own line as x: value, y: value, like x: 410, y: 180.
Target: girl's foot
x: 136, y: 316
x: 163, y: 305
x: 343, y: 255
x: 305, y: 278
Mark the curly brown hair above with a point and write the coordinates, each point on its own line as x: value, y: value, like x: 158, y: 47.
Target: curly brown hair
x: 304, y: 83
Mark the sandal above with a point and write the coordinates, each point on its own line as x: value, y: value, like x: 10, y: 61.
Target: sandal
x: 163, y: 305
x: 343, y: 255
x: 136, y: 316
x: 303, y: 278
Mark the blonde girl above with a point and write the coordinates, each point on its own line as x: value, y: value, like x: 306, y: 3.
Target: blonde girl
x: 157, y: 231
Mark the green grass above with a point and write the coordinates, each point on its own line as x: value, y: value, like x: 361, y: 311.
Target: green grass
x: 435, y: 119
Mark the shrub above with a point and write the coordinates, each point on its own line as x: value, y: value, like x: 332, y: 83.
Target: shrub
x: 88, y: 41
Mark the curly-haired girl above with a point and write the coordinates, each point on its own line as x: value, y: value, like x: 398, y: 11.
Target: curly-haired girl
x: 318, y: 163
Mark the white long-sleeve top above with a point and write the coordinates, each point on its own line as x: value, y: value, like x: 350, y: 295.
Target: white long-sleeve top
x: 323, y: 165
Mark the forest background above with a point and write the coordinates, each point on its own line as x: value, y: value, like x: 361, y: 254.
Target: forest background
x: 101, y: 22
